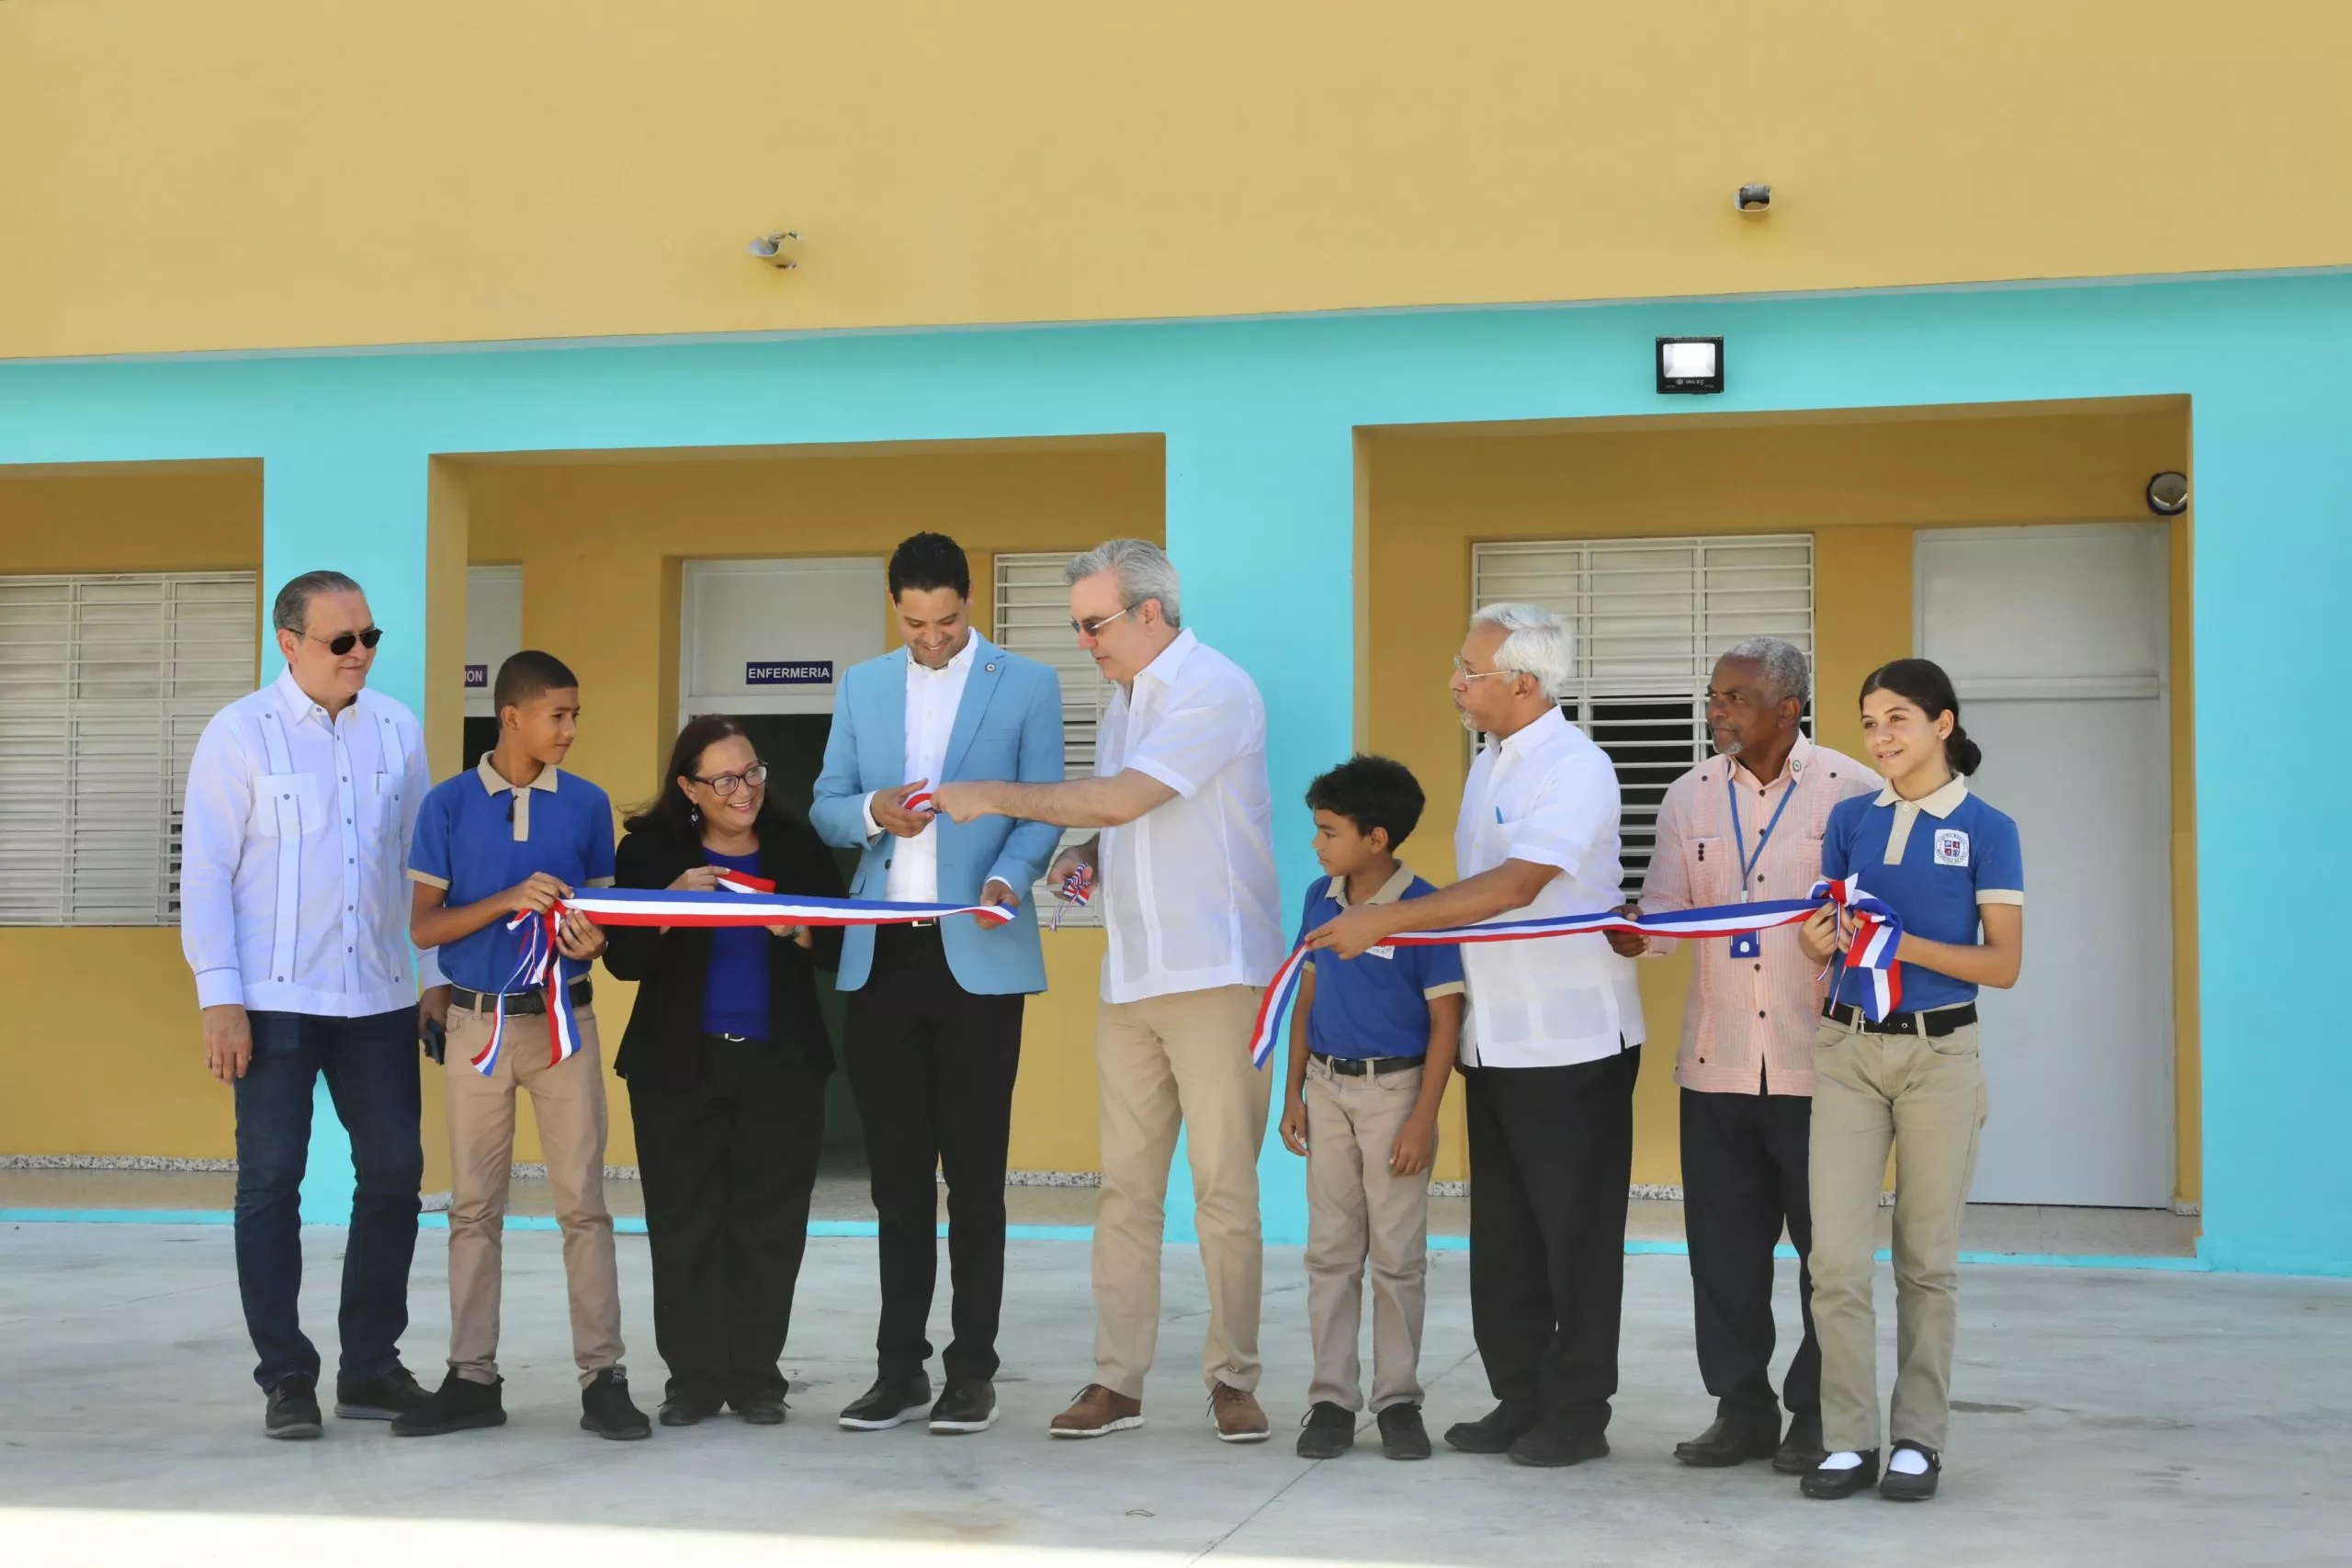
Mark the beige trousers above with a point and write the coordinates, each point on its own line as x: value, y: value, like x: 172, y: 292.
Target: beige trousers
x: 1926, y: 1098
x: 1173, y: 1062
x: 568, y: 1103
x: 1357, y: 1208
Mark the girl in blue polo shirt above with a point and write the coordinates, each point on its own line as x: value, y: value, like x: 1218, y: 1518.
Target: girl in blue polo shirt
x: 1950, y: 867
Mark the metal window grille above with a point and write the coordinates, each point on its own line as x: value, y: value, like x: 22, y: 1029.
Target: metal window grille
x: 1650, y: 617
x: 105, y: 682
x: 1032, y: 619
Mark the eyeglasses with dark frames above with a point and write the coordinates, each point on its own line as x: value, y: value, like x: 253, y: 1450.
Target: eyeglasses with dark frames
x: 726, y: 784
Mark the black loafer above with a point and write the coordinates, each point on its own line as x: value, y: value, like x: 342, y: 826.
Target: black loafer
x: 1801, y: 1450
x: 1495, y: 1431
x: 1897, y: 1487
x: 1727, y: 1443
x: 1554, y: 1444
x: 760, y: 1410
x: 686, y: 1410
x: 1831, y: 1485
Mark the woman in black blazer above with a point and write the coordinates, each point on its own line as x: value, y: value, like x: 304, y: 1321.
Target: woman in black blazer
x: 725, y: 1057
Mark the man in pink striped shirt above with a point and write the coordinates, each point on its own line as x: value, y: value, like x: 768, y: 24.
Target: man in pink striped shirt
x: 1746, y: 824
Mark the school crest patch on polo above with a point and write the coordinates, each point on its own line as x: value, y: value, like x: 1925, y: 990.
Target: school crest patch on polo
x: 1951, y: 847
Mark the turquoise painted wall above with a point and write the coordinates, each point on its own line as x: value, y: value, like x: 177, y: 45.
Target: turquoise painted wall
x: 1258, y: 417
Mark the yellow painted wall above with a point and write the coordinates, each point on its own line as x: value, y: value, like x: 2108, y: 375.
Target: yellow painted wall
x: 126, y: 1076
x: 308, y: 173
x: 1859, y: 483
x: 600, y: 544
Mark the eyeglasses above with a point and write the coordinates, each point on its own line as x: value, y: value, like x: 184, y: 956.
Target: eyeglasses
x: 1469, y: 674
x: 1092, y: 625
x: 344, y: 642
x: 726, y: 784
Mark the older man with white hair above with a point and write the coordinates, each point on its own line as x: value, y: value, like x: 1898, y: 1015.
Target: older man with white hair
x: 1748, y: 823
x: 1187, y: 862
x: 1550, y: 1051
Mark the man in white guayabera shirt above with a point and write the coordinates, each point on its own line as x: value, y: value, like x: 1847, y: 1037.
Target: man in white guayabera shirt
x: 1187, y: 865
x: 294, y: 916
x: 1550, y: 1048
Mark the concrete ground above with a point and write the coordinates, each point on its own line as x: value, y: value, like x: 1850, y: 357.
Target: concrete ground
x: 2146, y: 1418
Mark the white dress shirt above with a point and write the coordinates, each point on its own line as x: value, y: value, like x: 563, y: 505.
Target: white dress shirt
x: 1547, y: 794
x: 293, y: 854
x: 932, y: 697
x: 1189, y: 889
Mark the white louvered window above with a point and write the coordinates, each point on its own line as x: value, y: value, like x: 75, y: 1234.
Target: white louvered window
x: 1651, y: 616
x: 1033, y: 618
x: 106, y: 681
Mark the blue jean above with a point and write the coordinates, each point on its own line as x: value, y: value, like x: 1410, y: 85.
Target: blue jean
x: 372, y: 1076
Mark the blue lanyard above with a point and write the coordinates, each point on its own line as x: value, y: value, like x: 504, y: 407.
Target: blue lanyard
x: 1748, y: 864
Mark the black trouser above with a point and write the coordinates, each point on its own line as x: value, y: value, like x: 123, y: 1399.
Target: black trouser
x: 1551, y: 1156
x: 1743, y: 1179
x: 933, y: 1067
x: 726, y: 1165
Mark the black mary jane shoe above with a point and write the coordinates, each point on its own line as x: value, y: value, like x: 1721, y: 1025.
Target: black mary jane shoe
x: 1897, y: 1487
x: 1727, y: 1443
x: 1830, y: 1484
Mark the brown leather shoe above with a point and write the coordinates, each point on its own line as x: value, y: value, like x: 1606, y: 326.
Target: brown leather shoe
x: 1097, y: 1411
x: 1239, y: 1420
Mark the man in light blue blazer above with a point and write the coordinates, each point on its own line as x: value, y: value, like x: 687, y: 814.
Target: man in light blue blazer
x: 934, y: 1009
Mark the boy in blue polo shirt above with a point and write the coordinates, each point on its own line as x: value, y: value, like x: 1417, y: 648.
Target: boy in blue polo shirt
x: 516, y: 833
x: 1371, y: 1044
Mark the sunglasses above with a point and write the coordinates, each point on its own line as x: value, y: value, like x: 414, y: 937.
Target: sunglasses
x: 344, y: 642
x: 1092, y: 624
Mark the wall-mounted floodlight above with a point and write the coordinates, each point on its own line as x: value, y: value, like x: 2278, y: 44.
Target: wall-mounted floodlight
x: 1690, y: 365
x: 778, y: 249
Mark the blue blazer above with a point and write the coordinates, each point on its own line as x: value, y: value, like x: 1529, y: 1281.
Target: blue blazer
x: 1009, y: 726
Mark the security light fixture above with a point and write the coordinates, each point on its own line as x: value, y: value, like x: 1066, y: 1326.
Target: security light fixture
x: 770, y: 249
x: 1690, y: 365
x: 1754, y: 200
x: 2168, y: 494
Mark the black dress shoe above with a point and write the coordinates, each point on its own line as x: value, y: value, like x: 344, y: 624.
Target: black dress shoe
x: 386, y: 1398
x: 1801, y: 1450
x: 456, y: 1406
x: 1830, y: 1484
x: 1557, y: 1443
x: 1727, y: 1443
x: 1402, y: 1436
x: 1495, y: 1431
x: 888, y: 1403
x: 687, y: 1409
x: 1326, y: 1431
x: 965, y: 1405
x: 293, y: 1409
x: 1897, y: 1487
x: 760, y: 1409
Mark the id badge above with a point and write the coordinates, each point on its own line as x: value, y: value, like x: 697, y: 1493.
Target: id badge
x: 1748, y: 944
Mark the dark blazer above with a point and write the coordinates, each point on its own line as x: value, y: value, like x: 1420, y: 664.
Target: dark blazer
x: 662, y: 1046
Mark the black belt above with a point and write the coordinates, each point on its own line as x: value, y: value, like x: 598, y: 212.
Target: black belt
x: 1933, y: 1025
x: 518, y: 1002
x: 1365, y: 1067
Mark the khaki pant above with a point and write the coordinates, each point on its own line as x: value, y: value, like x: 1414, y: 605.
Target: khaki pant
x: 1357, y: 1208
x: 1166, y: 1063
x: 568, y: 1103
x: 1927, y: 1097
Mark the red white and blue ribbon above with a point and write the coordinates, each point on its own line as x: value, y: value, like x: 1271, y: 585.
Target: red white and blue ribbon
x: 741, y: 900
x: 1878, y: 932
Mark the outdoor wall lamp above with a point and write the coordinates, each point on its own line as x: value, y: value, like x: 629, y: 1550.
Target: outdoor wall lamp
x: 2168, y: 494
x: 778, y: 249
x: 1754, y: 200
x: 1690, y: 365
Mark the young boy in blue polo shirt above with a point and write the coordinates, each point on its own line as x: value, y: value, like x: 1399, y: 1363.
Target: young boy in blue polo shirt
x: 1371, y: 1044
x: 516, y: 833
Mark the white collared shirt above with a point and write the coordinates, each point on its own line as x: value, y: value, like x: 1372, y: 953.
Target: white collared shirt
x: 1549, y: 796
x: 293, y: 854
x: 932, y: 697
x: 1189, y: 891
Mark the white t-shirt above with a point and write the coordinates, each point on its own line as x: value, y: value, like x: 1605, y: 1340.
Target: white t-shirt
x: 1188, y: 889
x: 1547, y: 794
